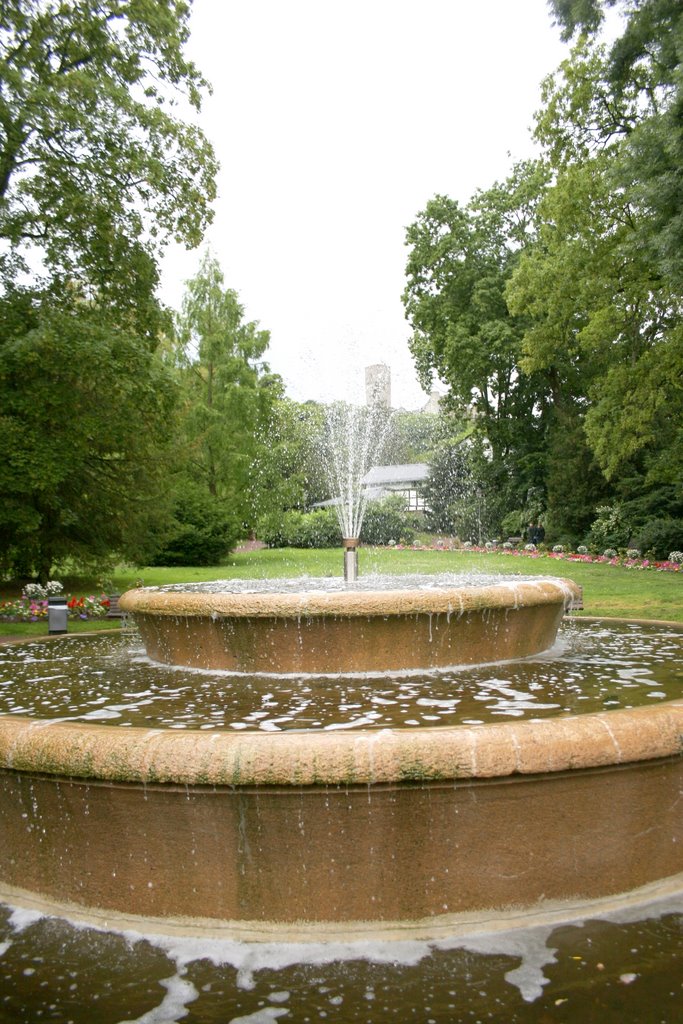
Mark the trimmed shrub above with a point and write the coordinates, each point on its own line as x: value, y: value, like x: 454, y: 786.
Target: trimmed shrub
x: 316, y: 529
x: 660, y: 536
x: 202, y: 531
x: 387, y: 520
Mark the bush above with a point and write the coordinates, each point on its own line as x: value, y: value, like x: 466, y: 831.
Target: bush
x: 316, y: 529
x: 202, y: 532
x: 611, y: 528
x: 387, y: 520
x: 294, y: 529
x: 660, y: 536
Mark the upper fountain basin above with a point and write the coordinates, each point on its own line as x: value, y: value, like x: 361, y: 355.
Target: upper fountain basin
x: 382, y: 623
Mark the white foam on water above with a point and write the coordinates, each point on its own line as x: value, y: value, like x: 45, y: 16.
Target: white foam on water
x: 529, y: 945
x: 21, y: 918
x: 263, y: 1016
x: 173, y: 1007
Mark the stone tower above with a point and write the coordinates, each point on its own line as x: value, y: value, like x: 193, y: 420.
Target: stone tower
x: 378, y: 385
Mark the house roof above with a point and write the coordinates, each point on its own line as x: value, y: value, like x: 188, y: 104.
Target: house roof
x: 408, y: 473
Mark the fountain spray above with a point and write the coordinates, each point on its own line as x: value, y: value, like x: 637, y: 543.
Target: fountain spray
x: 354, y: 439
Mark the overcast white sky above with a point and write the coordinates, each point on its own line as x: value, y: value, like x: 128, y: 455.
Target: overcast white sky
x: 334, y: 123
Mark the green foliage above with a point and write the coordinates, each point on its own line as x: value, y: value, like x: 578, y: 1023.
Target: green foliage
x: 202, y: 531
x: 96, y: 173
x: 460, y: 260
x: 316, y: 529
x: 554, y: 303
x: 387, y: 521
x: 96, y: 170
x: 228, y: 390
x: 611, y: 528
x: 84, y: 413
x: 287, y: 470
x: 413, y: 436
x: 462, y: 495
x: 659, y: 537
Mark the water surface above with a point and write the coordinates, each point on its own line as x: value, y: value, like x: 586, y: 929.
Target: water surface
x: 593, y: 666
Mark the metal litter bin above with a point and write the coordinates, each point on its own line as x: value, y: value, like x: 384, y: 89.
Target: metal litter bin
x: 57, y: 614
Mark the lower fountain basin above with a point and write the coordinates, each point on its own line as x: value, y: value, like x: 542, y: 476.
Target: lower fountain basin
x: 394, y: 623
x: 327, y: 833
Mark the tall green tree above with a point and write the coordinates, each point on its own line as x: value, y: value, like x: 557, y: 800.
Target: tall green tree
x: 97, y: 172
x: 228, y: 392
x: 605, y: 312
x: 287, y: 470
x: 460, y: 260
x: 96, y: 168
x: 84, y: 414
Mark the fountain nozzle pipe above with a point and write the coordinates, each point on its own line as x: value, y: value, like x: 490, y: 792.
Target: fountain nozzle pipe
x: 350, y: 545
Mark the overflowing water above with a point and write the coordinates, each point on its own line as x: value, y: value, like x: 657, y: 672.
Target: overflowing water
x: 593, y: 666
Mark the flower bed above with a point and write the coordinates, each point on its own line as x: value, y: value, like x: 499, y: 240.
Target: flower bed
x: 530, y: 551
x: 29, y: 608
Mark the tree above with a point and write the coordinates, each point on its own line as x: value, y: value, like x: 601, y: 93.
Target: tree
x: 413, y: 436
x: 641, y: 76
x: 604, y: 316
x: 84, y: 415
x: 459, y: 494
x: 287, y: 471
x: 460, y: 261
x: 228, y: 391
x: 96, y: 171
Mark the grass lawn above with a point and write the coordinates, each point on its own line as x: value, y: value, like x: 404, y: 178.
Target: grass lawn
x: 609, y: 590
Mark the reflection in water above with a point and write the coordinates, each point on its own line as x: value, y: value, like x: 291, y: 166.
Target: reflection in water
x: 592, y: 667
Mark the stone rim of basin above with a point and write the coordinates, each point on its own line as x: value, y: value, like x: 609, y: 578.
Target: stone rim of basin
x: 446, y: 599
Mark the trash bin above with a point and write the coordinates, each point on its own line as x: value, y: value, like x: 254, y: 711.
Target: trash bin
x: 57, y: 614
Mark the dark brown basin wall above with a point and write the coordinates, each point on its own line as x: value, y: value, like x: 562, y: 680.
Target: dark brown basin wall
x: 337, y: 853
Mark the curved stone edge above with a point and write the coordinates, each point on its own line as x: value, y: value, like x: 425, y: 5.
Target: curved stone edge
x: 664, y: 892
x: 442, y: 600
x: 441, y: 753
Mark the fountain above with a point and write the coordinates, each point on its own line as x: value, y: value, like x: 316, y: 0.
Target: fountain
x: 290, y: 827
x: 292, y: 832
x: 339, y: 835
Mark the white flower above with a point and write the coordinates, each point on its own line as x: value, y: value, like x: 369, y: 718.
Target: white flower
x: 676, y: 556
